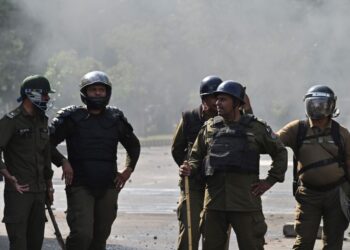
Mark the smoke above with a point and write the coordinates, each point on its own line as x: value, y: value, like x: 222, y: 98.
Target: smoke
x: 158, y: 51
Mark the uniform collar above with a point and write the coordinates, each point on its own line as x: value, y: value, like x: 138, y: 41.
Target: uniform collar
x: 36, y: 114
x: 23, y: 111
x: 328, y: 126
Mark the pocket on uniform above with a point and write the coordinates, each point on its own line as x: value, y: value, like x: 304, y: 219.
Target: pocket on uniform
x: 12, y: 219
x: 259, y: 225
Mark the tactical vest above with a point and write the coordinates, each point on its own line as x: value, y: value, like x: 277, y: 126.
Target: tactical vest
x: 340, y: 157
x: 229, y: 150
x: 192, y: 124
x: 92, y: 146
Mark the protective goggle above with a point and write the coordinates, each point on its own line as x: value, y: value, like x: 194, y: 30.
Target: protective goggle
x: 319, y: 107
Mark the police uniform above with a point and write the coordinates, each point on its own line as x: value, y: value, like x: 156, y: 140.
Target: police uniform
x: 184, y: 137
x: 231, y: 152
x: 92, y: 142
x: 24, y: 143
x: 318, y: 194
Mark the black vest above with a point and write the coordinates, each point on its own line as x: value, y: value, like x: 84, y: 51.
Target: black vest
x: 229, y: 150
x: 192, y: 124
x: 92, y: 147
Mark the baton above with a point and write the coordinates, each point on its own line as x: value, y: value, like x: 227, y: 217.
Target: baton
x: 57, y: 230
x: 188, y: 212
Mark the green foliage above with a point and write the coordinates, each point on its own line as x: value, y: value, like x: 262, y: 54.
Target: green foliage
x: 15, y: 48
x: 64, y: 70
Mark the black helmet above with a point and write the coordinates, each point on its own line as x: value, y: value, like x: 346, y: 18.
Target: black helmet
x: 34, y: 87
x: 233, y: 89
x: 208, y: 85
x: 95, y: 77
x: 320, y: 102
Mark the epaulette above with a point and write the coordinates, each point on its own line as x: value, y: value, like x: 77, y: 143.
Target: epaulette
x: 13, y: 113
x: 267, y: 128
x: 246, y: 119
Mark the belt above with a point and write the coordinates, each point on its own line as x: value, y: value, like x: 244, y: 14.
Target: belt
x: 324, y: 188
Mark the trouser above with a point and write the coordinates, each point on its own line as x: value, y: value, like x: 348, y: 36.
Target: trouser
x: 90, y: 216
x: 249, y: 227
x: 311, y: 207
x: 196, y: 202
x: 24, y: 217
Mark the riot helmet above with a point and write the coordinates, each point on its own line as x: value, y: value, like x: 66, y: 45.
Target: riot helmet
x: 234, y: 89
x: 91, y: 78
x: 36, y: 88
x: 209, y: 85
x: 320, y: 102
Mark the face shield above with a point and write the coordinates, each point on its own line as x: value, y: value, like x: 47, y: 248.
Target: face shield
x: 39, y: 98
x: 319, y: 107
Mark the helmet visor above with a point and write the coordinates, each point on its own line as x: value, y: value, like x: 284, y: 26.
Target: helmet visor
x: 319, y: 107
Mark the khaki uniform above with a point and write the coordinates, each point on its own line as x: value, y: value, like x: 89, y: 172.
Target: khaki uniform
x: 179, y: 152
x: 228, y: 198
x: 24, y: 142
x: 313, y: 201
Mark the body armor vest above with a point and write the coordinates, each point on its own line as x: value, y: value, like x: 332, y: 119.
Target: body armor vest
x: 92, y: 147
x: 339, y: 158
x: 192, y: 124
x: 229, y: 150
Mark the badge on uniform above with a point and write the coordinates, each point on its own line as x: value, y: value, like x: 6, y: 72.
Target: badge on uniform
x: 24, y: 131
x: 271, y: 133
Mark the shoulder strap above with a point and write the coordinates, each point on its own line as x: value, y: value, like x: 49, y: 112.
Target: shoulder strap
x: 189, y: 118
x: 301, y: 134
x: 246, y: 119
x: 13, y: 113
x: 335, y: 132
x: 302, y: 130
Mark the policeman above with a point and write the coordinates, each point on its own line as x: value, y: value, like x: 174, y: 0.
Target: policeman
x: 230, y: 145
x: 322, y: 150
x: 92, y: 133
x: 24, y: 142
x: 185, y: 135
